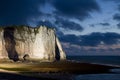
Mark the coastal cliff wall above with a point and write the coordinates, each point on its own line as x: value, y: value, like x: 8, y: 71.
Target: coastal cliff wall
x: 22, y: 42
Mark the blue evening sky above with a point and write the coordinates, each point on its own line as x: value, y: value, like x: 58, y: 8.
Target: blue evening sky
x: 84, y: 27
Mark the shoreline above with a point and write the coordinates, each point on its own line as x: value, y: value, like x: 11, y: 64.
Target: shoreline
x: 60, y: 66
x: 45, y: 70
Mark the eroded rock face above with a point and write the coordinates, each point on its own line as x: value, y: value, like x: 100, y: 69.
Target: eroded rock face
x: 22, y: 42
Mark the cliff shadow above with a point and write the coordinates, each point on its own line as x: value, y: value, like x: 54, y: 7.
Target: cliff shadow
x: 10, y: 43
x: 57, y: 53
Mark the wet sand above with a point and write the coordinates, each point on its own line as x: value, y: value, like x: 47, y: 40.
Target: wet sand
x: 49, y: 67
x: 44, y: 70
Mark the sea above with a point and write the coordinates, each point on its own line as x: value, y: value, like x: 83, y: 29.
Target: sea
x: 104, y: 60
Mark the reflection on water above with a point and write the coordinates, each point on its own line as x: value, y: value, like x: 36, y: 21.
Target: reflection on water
x: 98, y: 77
x: 40, y: 76
x: 60, y: 76
x: 115, y: 71
x: 105, y: 76
x: 57, y: 76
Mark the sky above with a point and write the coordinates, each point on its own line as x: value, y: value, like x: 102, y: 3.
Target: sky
x: 84, y: 27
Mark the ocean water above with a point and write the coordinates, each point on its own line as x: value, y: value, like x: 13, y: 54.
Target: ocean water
x: 106, y: 60
x: 112, y: 60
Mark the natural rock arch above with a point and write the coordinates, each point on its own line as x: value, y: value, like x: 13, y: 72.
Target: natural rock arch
x: 40, y: 43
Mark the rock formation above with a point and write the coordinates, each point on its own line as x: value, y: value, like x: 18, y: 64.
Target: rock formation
x: 23, y: 42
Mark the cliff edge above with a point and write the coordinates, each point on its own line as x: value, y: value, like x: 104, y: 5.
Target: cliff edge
x: 24, y: 42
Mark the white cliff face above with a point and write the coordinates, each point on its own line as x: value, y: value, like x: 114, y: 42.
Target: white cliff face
x: 62, y: 53
x: 1, y: 42
x: 38, y: 43
x: 3, y: 52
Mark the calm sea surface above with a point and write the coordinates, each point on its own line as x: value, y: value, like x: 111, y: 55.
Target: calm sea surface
x: 113, y: 60
x: 108, y: 60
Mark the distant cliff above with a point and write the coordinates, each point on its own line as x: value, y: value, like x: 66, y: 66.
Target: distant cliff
x: 23, y: 42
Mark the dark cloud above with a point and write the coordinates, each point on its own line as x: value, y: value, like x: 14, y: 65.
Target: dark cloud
x: 70, y: 38
x: 64, y: 23
x: 111, y: 49
x: 59, y: 33
x: 119, y: 7
x: 94, y: 39
x: 117, y: 49
x: 116, y: 1
x: 92, y: 49
x: 92, y: 25
x: 46, y: 23
x: 104, y: 24
x: 18, y: 11
x: 116, y: 17
x: 75, y: 8
x: 118, y: 25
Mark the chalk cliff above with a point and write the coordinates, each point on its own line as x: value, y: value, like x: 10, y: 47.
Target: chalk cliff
x: 23, y: 42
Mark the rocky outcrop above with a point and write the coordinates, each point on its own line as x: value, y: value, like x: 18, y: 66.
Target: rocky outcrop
x: 23, y: 42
